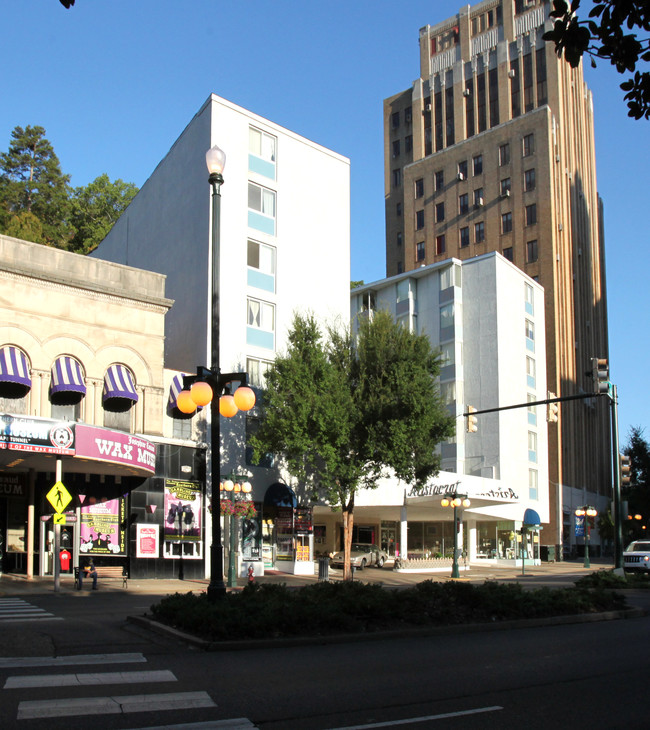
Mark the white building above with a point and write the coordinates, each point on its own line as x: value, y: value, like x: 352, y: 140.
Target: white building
x: 285, y: 247
x: 487, y: 318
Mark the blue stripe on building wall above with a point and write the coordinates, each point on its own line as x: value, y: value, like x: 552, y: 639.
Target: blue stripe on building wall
x: 261, y: 222
x: 259, y: 338
x: 261, y: 167
x: 260, y: 280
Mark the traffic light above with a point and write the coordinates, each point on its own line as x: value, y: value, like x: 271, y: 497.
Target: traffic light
x: 551, y: 408
x: 625, y: 469
x: 472, y: 421
x: 600, y: 374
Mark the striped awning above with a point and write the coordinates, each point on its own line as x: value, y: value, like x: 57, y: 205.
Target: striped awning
x: 119, y: 390
x: 15, y: 381
x: 67, y: 383
x: 174, y: 389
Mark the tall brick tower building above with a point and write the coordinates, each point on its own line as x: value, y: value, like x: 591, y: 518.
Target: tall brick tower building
x: 492, y: 149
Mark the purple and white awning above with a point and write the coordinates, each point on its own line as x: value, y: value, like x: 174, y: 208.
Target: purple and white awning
x: 119, y: 390
x: 174, y: 389
x: 67, y: 383
x: 15, y: 381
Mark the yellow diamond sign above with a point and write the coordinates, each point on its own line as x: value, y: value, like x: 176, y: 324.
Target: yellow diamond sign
x: 59, y: 497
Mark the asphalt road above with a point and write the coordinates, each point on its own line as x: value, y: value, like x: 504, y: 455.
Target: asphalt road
x: 105, y: 673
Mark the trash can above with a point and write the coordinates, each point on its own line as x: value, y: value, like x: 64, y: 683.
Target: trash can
x: 323, y: 568
x: 547, y: 553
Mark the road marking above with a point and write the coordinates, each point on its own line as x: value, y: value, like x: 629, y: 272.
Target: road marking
x: 76, y: 660
x: 17, y: 609
x: 427, y: 718
x: 85, y: 680
x: 233, y: 723
x: 33, y: 709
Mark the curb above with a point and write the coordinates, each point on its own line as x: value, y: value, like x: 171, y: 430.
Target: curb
x: 246, y: 644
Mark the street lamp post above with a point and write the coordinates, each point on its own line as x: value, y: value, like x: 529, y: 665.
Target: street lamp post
x: 240, y: 493
x: 199, y: 390
x: 587, y: 511
x: 455, y: 500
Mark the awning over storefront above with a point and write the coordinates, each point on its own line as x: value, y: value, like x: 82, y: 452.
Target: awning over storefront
x: 531, y: 518
x: 174, y: 389
x: 15, y: 381
x: 280, y: 495
x: 119, y: 390
x: 67, y: 385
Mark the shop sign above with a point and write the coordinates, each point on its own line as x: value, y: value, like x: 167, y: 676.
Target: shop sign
x: 103, y: 444
x: 147, y: 541
x: 37, y: 435
x: 102, y: 527
x: 12, y: 485
x: 303, y: 521
x: 183, y: 511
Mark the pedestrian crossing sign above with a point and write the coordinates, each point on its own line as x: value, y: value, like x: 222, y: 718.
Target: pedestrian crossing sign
x: 59, y: 497
x: 59, y: 519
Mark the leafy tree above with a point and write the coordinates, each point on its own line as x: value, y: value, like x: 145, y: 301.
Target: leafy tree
x: 67, y: 3
x: 25, y: 225
x: 95, y: 208
x: 355, y: 284
x: 345, y: 411
x: 602, y: 36
x: 638, y: 491
x: 31, y: 181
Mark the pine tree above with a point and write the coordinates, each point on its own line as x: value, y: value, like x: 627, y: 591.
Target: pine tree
x: 31, y: 181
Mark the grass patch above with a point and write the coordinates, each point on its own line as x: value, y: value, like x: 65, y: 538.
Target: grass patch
x: 274, y: 610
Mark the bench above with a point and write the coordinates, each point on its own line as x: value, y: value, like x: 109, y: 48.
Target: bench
x: 105, y: 572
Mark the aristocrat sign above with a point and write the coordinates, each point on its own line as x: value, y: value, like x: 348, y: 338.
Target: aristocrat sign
x: 440, y: 489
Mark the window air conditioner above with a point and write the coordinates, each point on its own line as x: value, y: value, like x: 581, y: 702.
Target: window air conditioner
x: 466, y: 92
x: 505, y: 194
x: 461, y: 176
x: 511, y: 73
x: 480, y: 202
x: 427, y: 108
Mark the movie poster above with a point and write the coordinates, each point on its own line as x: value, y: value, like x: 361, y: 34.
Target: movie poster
x: 102, y: 527
x: 183, y: 510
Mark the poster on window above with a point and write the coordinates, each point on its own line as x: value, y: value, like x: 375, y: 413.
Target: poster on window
x: 183, y: 510
x: 147, y: 541
x: 101, y: 531
x: 252, y: 537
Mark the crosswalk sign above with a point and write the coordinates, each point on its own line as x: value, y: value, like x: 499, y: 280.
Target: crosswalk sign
x: 59, y: 497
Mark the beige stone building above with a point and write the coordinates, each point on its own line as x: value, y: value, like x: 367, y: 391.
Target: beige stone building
x: 492, y: 149
x: 82, y: 383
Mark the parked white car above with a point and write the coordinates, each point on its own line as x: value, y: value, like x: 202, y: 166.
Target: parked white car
x: 636, y: 557
x: 361, y: 555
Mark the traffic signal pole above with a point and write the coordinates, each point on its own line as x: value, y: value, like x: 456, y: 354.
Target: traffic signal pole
x: 616, y: 482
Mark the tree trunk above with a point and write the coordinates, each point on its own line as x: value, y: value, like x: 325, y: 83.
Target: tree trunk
x: 348, y: 522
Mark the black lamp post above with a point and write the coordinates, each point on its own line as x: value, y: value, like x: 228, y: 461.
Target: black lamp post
x: 208, y: 382
x: 455, y: 500
x: 587, y: 511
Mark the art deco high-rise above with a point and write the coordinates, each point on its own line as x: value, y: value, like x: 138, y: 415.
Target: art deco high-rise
x: 492, y: 149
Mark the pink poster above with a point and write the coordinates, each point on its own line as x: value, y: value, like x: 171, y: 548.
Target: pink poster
x: 147, y: 541
x: 101, y: 531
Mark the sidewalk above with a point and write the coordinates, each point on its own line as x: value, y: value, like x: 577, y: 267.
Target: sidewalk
x: 552, y: 575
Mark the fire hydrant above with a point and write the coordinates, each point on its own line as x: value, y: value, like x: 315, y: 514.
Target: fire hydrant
x: 251, y: 574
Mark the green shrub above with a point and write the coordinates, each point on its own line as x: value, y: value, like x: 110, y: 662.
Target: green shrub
x: 272, y: 610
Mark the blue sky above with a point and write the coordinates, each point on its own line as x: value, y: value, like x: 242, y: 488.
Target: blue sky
x: 114, y: 82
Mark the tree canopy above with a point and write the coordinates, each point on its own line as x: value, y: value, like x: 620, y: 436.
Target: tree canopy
x: 637, y: 493
x: 344, y: 411
x: 602, y: 35
x: 38, y: 204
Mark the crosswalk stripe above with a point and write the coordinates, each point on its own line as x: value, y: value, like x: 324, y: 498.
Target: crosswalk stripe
x: 77, y: 660
x: 13, y: 610
x: 32, y: 709
x: 87, y: 679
